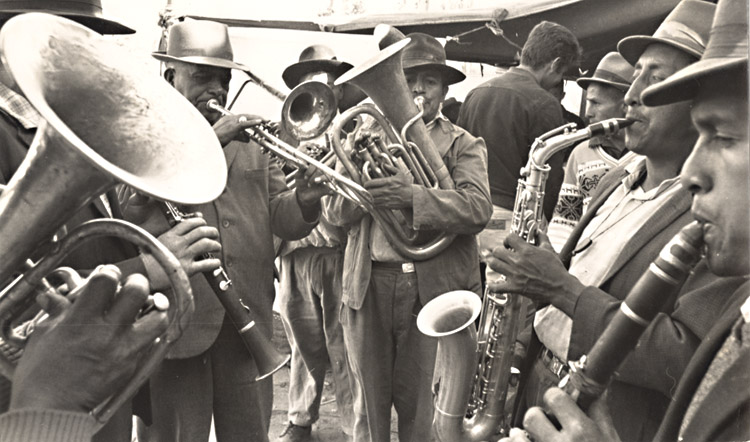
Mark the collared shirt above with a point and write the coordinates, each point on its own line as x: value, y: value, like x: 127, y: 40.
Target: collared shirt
x: 19, y: 108
x: 626, y: 211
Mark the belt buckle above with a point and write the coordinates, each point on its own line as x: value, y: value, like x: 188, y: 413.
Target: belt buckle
x: 407, y: 267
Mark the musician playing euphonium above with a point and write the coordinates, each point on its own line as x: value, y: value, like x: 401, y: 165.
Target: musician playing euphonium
x: 710, y: 403
x: 636, y: 209
x: 391, y: 361
x: 310, y: 272
x: 209, y: 372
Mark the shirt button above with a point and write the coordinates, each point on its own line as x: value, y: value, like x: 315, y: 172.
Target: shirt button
x: 230, y: 263
x: 225, y: 223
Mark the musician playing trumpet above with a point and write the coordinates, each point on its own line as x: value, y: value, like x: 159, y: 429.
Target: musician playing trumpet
x: 635, y: 210
x: 391, y: 361
x: 209, y: 372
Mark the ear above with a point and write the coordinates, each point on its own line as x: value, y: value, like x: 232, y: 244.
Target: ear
x: 557, y: 66
x: 169, y: 76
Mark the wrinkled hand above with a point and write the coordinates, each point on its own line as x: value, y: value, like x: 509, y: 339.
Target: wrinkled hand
x: 575, y: 425
x: 393, y: 192
x: 188, y: 240
x: 535, y: 272
x: 85, y: 351
x: 232, y: 127
x: 309, y: 186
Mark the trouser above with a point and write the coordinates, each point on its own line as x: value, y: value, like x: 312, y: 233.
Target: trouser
x: 541, y: 378
x: 186, y: 393
x: 310, y: 303
x: 392, y: 362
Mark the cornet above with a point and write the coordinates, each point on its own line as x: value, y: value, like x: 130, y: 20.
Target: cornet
x: 104, y: 123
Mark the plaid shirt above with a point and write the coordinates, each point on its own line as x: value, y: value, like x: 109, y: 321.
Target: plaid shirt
x: 18, y: 107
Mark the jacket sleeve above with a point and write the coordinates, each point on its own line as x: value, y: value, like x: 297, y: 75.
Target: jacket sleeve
x: 37, y: 425
x: 668, y: 343
x: 285, y: 213
x: 465, y: 209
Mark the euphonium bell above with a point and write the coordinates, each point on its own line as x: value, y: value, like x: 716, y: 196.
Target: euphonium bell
x: 108, y: 119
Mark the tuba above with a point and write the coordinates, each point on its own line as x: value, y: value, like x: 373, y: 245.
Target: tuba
x: 477, y: 385
x: 408, y: 144
x: 104, y: 123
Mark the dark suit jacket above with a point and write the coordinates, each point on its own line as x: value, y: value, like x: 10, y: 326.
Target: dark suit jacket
x: 724, y: 414
x: 639, y: 394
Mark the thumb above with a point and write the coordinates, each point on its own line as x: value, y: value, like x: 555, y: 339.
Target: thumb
x: 543, y: 242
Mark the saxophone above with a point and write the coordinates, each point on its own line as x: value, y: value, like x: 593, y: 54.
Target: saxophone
x: 472, y: 373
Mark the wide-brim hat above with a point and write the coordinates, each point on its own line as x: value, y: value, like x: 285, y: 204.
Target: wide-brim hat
x: 86, y: 12
x: 315, y: 58
x: 686, y: 28
x: 727, y: 50
x: 425, y: 51
x: 612, y: 71
x: 201, y: 42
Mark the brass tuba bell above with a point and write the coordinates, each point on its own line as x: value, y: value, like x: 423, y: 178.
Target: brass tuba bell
x: 107, y: 119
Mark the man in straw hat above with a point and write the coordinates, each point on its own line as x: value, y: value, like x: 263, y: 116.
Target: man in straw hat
x: 711, y: 401
x: 391, y: 361
x: 605, y: 92
x: 310, y: 286
x: 209, y: 372
x: 636, y: 209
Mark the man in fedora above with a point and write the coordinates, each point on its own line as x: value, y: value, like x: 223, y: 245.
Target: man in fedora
x: 391, y: 361
x: 635, y: 210
x: 711, y: 401
x: 310, y: 273
x: 208, y: 371
x: 605, y: 92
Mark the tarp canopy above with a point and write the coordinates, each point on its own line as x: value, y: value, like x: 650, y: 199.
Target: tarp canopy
x: 495, y: 36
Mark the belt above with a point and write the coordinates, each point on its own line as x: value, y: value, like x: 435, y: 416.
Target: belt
x: 554, y: 364
x: 404, y: 267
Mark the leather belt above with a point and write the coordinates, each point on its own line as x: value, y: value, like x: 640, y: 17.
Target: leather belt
x: 404, y: 267
x: 554, y: 364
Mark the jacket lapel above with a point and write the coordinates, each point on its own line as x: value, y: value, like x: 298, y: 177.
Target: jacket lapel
x: 677, y: 205
x: 230, y: 151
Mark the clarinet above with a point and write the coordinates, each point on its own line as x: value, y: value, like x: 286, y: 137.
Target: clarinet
x: 590, y: 375
x: 267, y: 359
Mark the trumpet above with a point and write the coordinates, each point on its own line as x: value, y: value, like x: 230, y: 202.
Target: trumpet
x: 82, y: 84
x: 336, y: 182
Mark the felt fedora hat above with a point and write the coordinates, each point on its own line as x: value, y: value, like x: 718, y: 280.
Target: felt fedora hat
x: 612, y: 70
x: 685, y: 28
x: 315, y: 58
x: 200, y: 42
x: 727, y: 50
x: 425, y: 51
x: 86, y: 12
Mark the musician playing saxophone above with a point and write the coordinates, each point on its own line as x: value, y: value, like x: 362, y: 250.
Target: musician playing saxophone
x: 391, y: 361
x: 711, y: 400
x: 209, y: 372
x: 635, y: 210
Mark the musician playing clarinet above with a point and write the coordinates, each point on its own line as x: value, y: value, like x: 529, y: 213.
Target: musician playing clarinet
x: 635, y: 210
x: 391, y: 361
x: 209, y: 372
x: 711, y: 401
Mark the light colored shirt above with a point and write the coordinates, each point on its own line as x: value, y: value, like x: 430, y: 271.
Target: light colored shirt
x: 625, y: 212
x: 18, y: 107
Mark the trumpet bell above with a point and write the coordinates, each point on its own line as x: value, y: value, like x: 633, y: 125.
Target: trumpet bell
x: 308, y: 110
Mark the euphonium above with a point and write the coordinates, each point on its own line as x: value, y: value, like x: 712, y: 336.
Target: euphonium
x: 383, y: 80
x: 478, y: 388
x: 665, y: 276
x: 105, y: 122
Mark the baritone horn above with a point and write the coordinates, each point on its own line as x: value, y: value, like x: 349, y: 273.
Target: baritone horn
x: 104, y: 122
x: 382, y: 79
